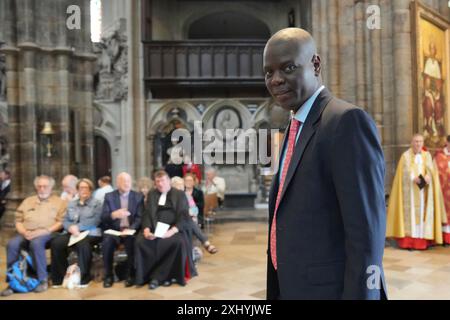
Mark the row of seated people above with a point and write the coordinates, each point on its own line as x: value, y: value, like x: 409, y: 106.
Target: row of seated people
x: 154, y: 260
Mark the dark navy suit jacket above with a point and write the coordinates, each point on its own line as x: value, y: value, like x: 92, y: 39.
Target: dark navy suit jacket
x: 112, y: 203
x: 331, y: 221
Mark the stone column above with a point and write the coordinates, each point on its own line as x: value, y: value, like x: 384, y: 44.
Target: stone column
x: 323, y: 45
x: 347, y: 70
x: 360, y: 21
x: 44, y: 79
x: 136, y: 89
x: 368, y: 62
x: 388, y: 128
x: 403, y: 75
x: 376, y: 83
x: 333, y: 41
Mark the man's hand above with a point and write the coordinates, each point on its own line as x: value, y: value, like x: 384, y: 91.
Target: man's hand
x: 74, y: 230
x: 170, y: 233
x: 120, y: 214
x: 416, y: 180
x: 427, y: 179
x: 30, y: 235
x: 148, y: 235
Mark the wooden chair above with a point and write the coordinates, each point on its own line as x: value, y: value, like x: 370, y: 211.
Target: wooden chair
x: 211, y: 204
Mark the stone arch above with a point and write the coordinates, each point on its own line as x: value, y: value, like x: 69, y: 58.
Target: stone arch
x: 243, y: 111
x: 158, y: 118
x: 210, y: 10
x: 261, y: 115
x: 108, y: 128
x: 217, y: 25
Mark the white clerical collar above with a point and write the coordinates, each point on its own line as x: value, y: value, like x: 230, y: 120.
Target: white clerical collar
x: 6, y: 183
x: 303, y: 112
x: 447, y: 153
x: 162, y: 199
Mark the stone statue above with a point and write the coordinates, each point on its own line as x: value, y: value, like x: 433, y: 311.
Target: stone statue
x: 112, y: 67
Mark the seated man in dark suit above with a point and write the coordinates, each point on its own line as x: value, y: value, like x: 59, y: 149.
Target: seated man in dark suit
x: 122, y: 211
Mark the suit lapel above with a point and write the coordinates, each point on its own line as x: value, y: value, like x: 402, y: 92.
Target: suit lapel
x: 117, y: 200
x: 308, y: 131
x: 130, y: 202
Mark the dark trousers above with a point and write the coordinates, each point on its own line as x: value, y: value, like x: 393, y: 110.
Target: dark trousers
x: 36, y: 247
x: 198, y: 232
x: 2, y: 210
x: 109, y: 245
x: 60, y: 252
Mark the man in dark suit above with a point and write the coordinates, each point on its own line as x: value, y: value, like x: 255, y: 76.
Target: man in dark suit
x: 5, y: 188
x: 122, y: 210
x: 327, y: 216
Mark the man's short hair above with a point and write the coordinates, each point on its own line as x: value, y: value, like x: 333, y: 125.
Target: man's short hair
x: 448, y: 138
x: 160, y: 174
x: 73, y: 180
x: 49, y: 179
x: 105, y: 179
x: 88, y: 182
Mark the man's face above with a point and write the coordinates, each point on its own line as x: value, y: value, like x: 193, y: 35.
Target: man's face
x: 210, y: 175
x: 66, y: 185
x: 2, y: 175
x: 433, y: 50
x: 417, y: 144
x: 124, y: 183
x: 162, y: 184
x: 290, y: 76
x: 43, y: 188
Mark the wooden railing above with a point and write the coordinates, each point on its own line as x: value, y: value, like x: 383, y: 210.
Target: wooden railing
x: 203, y: 62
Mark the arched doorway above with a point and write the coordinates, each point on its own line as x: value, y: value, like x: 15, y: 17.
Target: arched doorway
x: 102, y: 157
x: 228, y: 25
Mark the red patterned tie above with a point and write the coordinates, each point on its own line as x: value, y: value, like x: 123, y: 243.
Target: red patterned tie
x: 295, y: 125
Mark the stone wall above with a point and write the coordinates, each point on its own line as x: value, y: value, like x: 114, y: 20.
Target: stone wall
x: 49, y: 71
x: 372, y: 68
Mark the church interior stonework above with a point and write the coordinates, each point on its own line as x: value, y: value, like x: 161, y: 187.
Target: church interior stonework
x: 98, y: 88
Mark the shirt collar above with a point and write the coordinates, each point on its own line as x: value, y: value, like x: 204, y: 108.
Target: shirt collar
x: 124, y: 195
x: 39, y: 200
x: 303, y: 112
x: 86, y: 203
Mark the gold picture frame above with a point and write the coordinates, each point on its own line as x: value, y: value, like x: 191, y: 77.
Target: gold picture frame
x: 431, y: 68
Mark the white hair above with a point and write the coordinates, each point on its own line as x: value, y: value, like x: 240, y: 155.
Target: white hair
x: 176, y: 180
x: 72, y: 181
x: 49, y: 179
